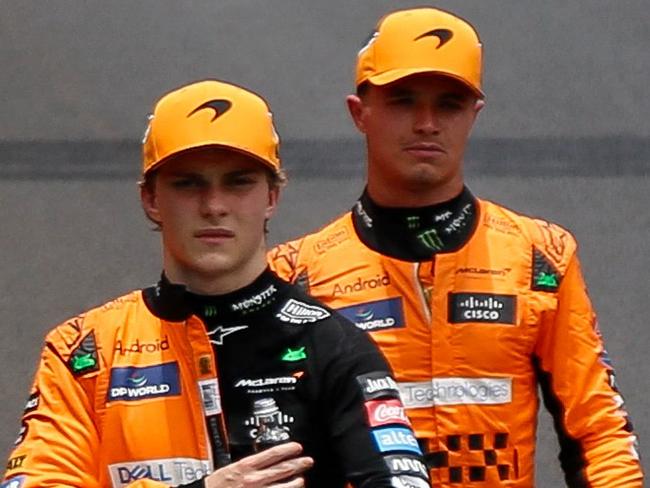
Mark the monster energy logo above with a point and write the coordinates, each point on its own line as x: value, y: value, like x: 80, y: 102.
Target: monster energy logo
x: 430, y: 239
x: 413, y: 221
x: 210, y: 311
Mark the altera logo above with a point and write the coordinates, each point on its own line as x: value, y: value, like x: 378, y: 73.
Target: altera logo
x: 391, y: 439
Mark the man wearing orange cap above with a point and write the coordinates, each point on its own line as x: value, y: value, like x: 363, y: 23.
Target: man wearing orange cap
x: 168, y: 385
x: 475, y: 306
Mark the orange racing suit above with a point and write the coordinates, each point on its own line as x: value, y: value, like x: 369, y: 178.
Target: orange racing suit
x: 471, y: 331
x: 128, y: 395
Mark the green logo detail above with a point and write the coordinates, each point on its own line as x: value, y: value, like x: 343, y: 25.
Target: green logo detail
x: 546, y: 279
x: 210, y: 311
x: 413, y: 221
x: 430, y: 239
x: 83, y: 361
x: 294, y: 355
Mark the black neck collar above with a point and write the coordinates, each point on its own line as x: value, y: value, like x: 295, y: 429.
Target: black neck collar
x: 173, y: 302
x: 416, y: 234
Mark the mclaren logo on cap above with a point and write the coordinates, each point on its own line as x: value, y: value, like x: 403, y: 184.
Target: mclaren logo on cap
x: 443, y: 34
x: 219, y: 106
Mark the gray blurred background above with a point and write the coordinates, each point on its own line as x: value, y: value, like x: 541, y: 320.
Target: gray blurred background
x: 565, y: 136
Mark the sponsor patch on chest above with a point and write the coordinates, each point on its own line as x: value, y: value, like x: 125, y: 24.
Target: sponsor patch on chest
x: 171, y: 471
x: 297, y: 312
x: 140, y: 383
x: 376, y: 316
x: 488, y: 308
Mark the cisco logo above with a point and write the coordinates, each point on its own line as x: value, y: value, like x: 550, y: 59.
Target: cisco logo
x: 482, y: 307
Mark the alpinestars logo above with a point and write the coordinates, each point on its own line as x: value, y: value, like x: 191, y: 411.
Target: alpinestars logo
x: 444, y: 35
x: 219, y: 106
x: 295, y: 312
x: 217, y: 335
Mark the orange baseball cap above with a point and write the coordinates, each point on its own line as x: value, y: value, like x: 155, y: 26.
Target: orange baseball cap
x: 210, y: 113
x: 421, y: 40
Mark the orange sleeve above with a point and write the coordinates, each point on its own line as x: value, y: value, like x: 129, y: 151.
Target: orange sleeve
x: 577, y: 380
x: 58, y: 441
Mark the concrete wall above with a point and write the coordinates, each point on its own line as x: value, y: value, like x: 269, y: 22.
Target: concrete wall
x: 74, y: 69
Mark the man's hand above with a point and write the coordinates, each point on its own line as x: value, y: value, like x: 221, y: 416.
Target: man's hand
x: 266, y: 469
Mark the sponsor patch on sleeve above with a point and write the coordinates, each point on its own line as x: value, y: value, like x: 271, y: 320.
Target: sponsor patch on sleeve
x: 140, y: 383
x: 545, y: 276
x: 84, y: 358
x: 16, y: 462
x: 32, y: 402
x: 378, y: 384
x: 15, y: 482
x: 402, y: 464
x: 405, y: 481
x: 395, y: 439
x: 386, y: 412
x: 22, y: 433
x: 482, y: 307
x: 376, y: 316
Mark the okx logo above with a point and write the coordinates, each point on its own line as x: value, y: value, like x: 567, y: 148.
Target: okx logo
x: 140, y: 383
x: 482, y: 307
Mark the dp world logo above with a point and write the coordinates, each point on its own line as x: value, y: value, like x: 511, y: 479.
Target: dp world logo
x: 363, y: 314
x: 377, y: 315
x: 137, y: 380
x: 134, y: 383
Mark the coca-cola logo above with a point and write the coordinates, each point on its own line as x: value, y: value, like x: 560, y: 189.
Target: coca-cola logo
x: 384, y: 412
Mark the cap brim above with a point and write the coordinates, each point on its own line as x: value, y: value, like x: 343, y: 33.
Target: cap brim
x: 397, y: 74
x: 262, y: 161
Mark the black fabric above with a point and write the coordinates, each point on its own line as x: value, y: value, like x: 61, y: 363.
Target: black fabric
x: 271, y: 340
x: 416, y: 234
x: 571, y: 455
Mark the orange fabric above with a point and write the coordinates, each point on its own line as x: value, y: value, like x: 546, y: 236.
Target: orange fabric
x: 480, y: 374
x: 421, y: 40
x: 210, y: 113
x: 76, y: 437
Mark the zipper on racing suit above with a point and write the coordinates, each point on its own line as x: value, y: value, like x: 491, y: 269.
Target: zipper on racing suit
x: 214, y: 419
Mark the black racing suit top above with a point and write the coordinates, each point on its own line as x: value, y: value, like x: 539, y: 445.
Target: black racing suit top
x: 334, y: 389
